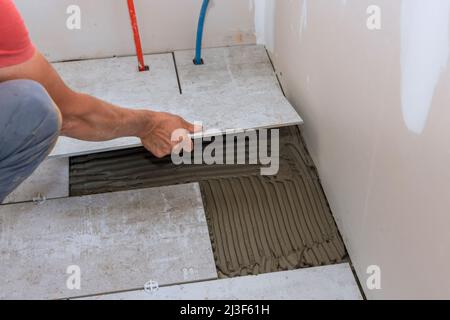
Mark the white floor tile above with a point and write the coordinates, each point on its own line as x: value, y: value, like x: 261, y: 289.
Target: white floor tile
x: 49, y: 181
x: 119, y: 240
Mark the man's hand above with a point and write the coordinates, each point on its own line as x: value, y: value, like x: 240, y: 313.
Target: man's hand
x: 156, y: 136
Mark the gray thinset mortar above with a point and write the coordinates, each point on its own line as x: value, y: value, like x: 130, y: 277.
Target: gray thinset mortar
x: 257, y: 224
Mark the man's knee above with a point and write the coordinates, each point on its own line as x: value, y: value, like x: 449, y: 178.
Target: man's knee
x: 35, y: 100
x: 29, y: 127
x: 29, y: 119
x: 28, y: 102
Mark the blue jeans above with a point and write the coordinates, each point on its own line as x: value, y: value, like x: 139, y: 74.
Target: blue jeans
x: 29, y: 127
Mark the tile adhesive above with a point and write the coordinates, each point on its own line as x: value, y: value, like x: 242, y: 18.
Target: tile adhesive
x: 257, y: 224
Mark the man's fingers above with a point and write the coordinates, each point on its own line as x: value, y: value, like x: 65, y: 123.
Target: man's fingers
x: 181, y: 141
x: 187, y: 144
x: 197, y: 128
x: 161, y: 152
x: 188, y: 126
x: 192, y: 128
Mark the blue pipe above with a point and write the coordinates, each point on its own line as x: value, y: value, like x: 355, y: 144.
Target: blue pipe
x: 201, y: 22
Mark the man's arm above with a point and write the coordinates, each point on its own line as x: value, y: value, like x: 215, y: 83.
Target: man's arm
x: 88, y: 118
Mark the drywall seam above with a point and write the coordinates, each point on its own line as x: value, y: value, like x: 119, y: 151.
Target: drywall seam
x: 424, y: 56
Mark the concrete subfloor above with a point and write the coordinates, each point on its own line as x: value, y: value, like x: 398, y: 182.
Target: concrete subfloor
x: 119, y: 241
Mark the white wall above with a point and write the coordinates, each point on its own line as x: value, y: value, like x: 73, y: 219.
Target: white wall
x: 376, y: 106
x: 165, y: 25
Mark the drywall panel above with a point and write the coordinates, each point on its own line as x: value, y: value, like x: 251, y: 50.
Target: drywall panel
x: 375, y: 105
x: 321, y: 283
x: 165, y: 25
x: 116, y: 241
x: 244, y: 93
x: 49, y: 181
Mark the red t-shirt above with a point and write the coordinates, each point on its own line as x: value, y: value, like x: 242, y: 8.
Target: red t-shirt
x: 15, y: 44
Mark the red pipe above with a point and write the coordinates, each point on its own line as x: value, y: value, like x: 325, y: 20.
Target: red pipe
x: 137, y: 38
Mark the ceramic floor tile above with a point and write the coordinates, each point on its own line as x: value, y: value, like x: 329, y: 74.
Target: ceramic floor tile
x: 118, y: 81
x: 234, y: 71
x: 49, y: 181
x: 119, y: 241
x: 335, y: 282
